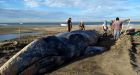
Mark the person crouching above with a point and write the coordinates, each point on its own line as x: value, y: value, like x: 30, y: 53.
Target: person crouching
x: 105, y: 28
x: 81, y: 26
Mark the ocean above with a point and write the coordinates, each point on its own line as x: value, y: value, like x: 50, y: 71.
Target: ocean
x: 58, y: 23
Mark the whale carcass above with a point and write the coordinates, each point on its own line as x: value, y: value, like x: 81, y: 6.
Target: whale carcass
x: 49, y: 52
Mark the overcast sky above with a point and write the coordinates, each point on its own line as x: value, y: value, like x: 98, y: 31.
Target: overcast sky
x: 60, y: 10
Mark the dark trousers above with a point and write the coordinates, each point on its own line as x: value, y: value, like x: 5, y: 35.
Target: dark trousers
x: 69, y: 27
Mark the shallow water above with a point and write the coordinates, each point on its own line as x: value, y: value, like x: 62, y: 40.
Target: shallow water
x: 12, y: 36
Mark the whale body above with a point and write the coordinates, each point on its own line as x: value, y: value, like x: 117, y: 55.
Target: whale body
x: 49, y: 52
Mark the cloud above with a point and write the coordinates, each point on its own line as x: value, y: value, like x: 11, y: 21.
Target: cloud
x: 38, y: 16
x: 76, y: 9
x: 31, y: 3
x: 58, y: 3
x: 67, y: 3
x: 91, y: 6
x: 32, y: 15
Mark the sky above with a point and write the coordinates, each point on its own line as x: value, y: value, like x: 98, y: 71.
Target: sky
x: 60, y: 10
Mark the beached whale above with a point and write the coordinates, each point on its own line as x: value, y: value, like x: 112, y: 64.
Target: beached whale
x: 49, y: 52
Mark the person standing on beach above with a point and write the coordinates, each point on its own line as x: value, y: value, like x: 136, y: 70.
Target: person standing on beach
x: 69, y: 23
x: 117, y: 26
x: 81, y: 26
x: 105, y: 28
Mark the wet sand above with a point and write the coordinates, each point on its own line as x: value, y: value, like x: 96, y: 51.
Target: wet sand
x: 15, y: 29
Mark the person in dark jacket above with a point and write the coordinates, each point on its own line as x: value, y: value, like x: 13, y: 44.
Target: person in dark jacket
x: 69, y: 22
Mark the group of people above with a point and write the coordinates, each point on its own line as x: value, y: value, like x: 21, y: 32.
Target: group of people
x: 69, y: 23
x: 116, y: 26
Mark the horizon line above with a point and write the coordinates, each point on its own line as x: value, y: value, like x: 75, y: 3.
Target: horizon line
x: 64, y: 21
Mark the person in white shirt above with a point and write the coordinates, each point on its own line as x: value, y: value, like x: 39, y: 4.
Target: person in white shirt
x: 105, y: 28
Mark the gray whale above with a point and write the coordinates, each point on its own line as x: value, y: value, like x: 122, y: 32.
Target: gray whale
x: 49, y: 52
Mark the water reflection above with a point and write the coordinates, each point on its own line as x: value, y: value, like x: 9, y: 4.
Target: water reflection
x: 12, y: 36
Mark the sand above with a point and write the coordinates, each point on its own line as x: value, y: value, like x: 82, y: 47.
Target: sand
x: 15, y: 29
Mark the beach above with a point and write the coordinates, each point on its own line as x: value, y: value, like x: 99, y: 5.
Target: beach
x: 7, y: 51
x: 69, y: 37
x: 11, y: 32
x: 40, y: 28
x: 16, y: 31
